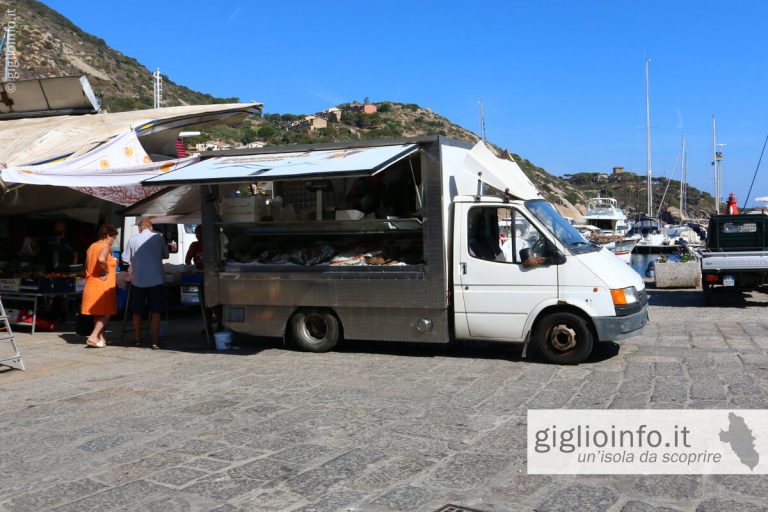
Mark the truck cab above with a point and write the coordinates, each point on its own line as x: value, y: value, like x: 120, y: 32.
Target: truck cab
x: 541, y: 282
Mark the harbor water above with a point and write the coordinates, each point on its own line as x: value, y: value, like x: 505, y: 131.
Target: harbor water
x: 640, y: 262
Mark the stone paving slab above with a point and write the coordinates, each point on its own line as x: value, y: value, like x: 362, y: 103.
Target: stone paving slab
x: 370, y: 427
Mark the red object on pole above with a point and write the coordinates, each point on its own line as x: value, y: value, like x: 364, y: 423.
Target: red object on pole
x: 181, y: 150
x: 731, y: 207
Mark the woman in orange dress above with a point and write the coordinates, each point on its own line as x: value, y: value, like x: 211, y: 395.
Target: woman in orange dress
x: 99, y: 294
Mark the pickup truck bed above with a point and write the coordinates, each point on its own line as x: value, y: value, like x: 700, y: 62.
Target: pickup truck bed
x: 734, y: 261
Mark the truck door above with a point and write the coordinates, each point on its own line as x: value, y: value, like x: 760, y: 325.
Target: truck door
x: 498, y: 287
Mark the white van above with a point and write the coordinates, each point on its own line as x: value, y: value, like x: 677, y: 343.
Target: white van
x: 178, y: 237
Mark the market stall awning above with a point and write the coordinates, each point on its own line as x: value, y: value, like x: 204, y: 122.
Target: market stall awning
x: 119, y: 161
x: 38, y: 140
x: 182, y: 200
x: 44, y: 97
x: 361, y: 161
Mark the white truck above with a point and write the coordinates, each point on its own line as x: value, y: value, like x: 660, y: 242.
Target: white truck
x: 401, y: 240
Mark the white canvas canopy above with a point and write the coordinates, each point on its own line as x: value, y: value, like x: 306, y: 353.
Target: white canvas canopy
x: 38, y: 140
x: 102, y: 155
x: 112, y: 171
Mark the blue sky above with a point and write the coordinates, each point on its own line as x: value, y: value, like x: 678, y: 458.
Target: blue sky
x: 562, y: 81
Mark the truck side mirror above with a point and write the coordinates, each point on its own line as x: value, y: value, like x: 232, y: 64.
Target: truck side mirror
x: 552, y: 256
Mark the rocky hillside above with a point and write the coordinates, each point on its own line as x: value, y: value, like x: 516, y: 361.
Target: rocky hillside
x: 629, y: 189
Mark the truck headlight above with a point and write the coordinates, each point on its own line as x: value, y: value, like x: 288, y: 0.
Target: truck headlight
x: 624, y: 296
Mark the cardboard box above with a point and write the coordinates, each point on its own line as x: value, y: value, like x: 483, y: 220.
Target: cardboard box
x: 47, y: 284
x: 242, y: 209
x: 10, y: 285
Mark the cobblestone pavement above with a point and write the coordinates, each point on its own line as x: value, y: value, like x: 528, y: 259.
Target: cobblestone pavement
x: 379, y: 427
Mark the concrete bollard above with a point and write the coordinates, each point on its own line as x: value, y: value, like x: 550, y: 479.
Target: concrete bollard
x: 671, y: 274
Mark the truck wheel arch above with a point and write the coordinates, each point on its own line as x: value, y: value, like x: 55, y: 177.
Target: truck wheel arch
x: 563, y: 308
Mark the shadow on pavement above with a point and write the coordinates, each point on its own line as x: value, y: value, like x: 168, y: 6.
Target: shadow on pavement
x: 468, y: 349
x: 185, y: 334
x: 721, y: 298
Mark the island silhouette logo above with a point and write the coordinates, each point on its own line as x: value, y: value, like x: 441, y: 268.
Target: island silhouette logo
x: 741, y: 440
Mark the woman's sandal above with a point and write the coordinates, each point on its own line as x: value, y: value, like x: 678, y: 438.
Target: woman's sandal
x: 91, y: 343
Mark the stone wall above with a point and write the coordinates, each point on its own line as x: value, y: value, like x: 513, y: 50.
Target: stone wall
x: 672, y: 274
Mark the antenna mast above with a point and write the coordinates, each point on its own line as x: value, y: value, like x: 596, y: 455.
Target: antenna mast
x: 158, y: 82
x: 648, y: 137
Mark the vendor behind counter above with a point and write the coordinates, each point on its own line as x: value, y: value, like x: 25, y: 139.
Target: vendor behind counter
x: 42, y: 245
x: 59, y: 250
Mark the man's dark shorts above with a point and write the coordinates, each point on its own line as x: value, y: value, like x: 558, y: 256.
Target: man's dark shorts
x: 153, y: 296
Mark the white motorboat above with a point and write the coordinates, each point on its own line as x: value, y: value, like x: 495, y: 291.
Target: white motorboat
x: 623, y: 249
x: 680, y: 235
x: 604, y: 213
x: 651, y: 236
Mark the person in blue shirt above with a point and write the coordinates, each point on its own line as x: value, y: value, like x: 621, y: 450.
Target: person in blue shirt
x: 145, y: 253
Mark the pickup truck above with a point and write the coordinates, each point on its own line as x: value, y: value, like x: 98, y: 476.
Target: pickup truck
x: 736, y: 253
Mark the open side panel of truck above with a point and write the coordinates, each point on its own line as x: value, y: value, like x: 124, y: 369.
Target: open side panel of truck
x: 354, y: 231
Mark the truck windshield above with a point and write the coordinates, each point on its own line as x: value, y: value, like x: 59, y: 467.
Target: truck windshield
x: 558, y: 226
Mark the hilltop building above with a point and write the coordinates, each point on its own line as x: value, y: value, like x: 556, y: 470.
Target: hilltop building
x: 212, y: 145
x: 310, y: 124
x: 368, y: 108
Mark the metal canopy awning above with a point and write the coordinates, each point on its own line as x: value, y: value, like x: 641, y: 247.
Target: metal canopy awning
x: 42, y: 97
x: 360, y: 161
x: 182, y: 200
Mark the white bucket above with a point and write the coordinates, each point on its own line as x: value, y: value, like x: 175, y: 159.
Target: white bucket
x: 223, y: 340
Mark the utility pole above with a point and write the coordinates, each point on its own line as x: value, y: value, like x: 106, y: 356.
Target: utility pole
x: 158, y: 83
x: 648, y: 138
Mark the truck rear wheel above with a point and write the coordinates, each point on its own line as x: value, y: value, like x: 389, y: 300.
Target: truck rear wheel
x: 708, y: 291
x: 563, y: 338
x: 314, y: 330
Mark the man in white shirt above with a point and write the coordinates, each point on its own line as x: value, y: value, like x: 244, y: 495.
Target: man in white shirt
x: 145, y: 253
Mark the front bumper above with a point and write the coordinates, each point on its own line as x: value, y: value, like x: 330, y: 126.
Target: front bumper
x: 612, y: 328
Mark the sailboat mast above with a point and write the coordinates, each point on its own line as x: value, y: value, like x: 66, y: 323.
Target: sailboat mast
x: 714, y: 164
x: 648, y: 137
x: 683, y: 177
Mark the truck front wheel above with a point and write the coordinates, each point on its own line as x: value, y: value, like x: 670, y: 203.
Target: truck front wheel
x: 314, y: 330
x: 563, y: 338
